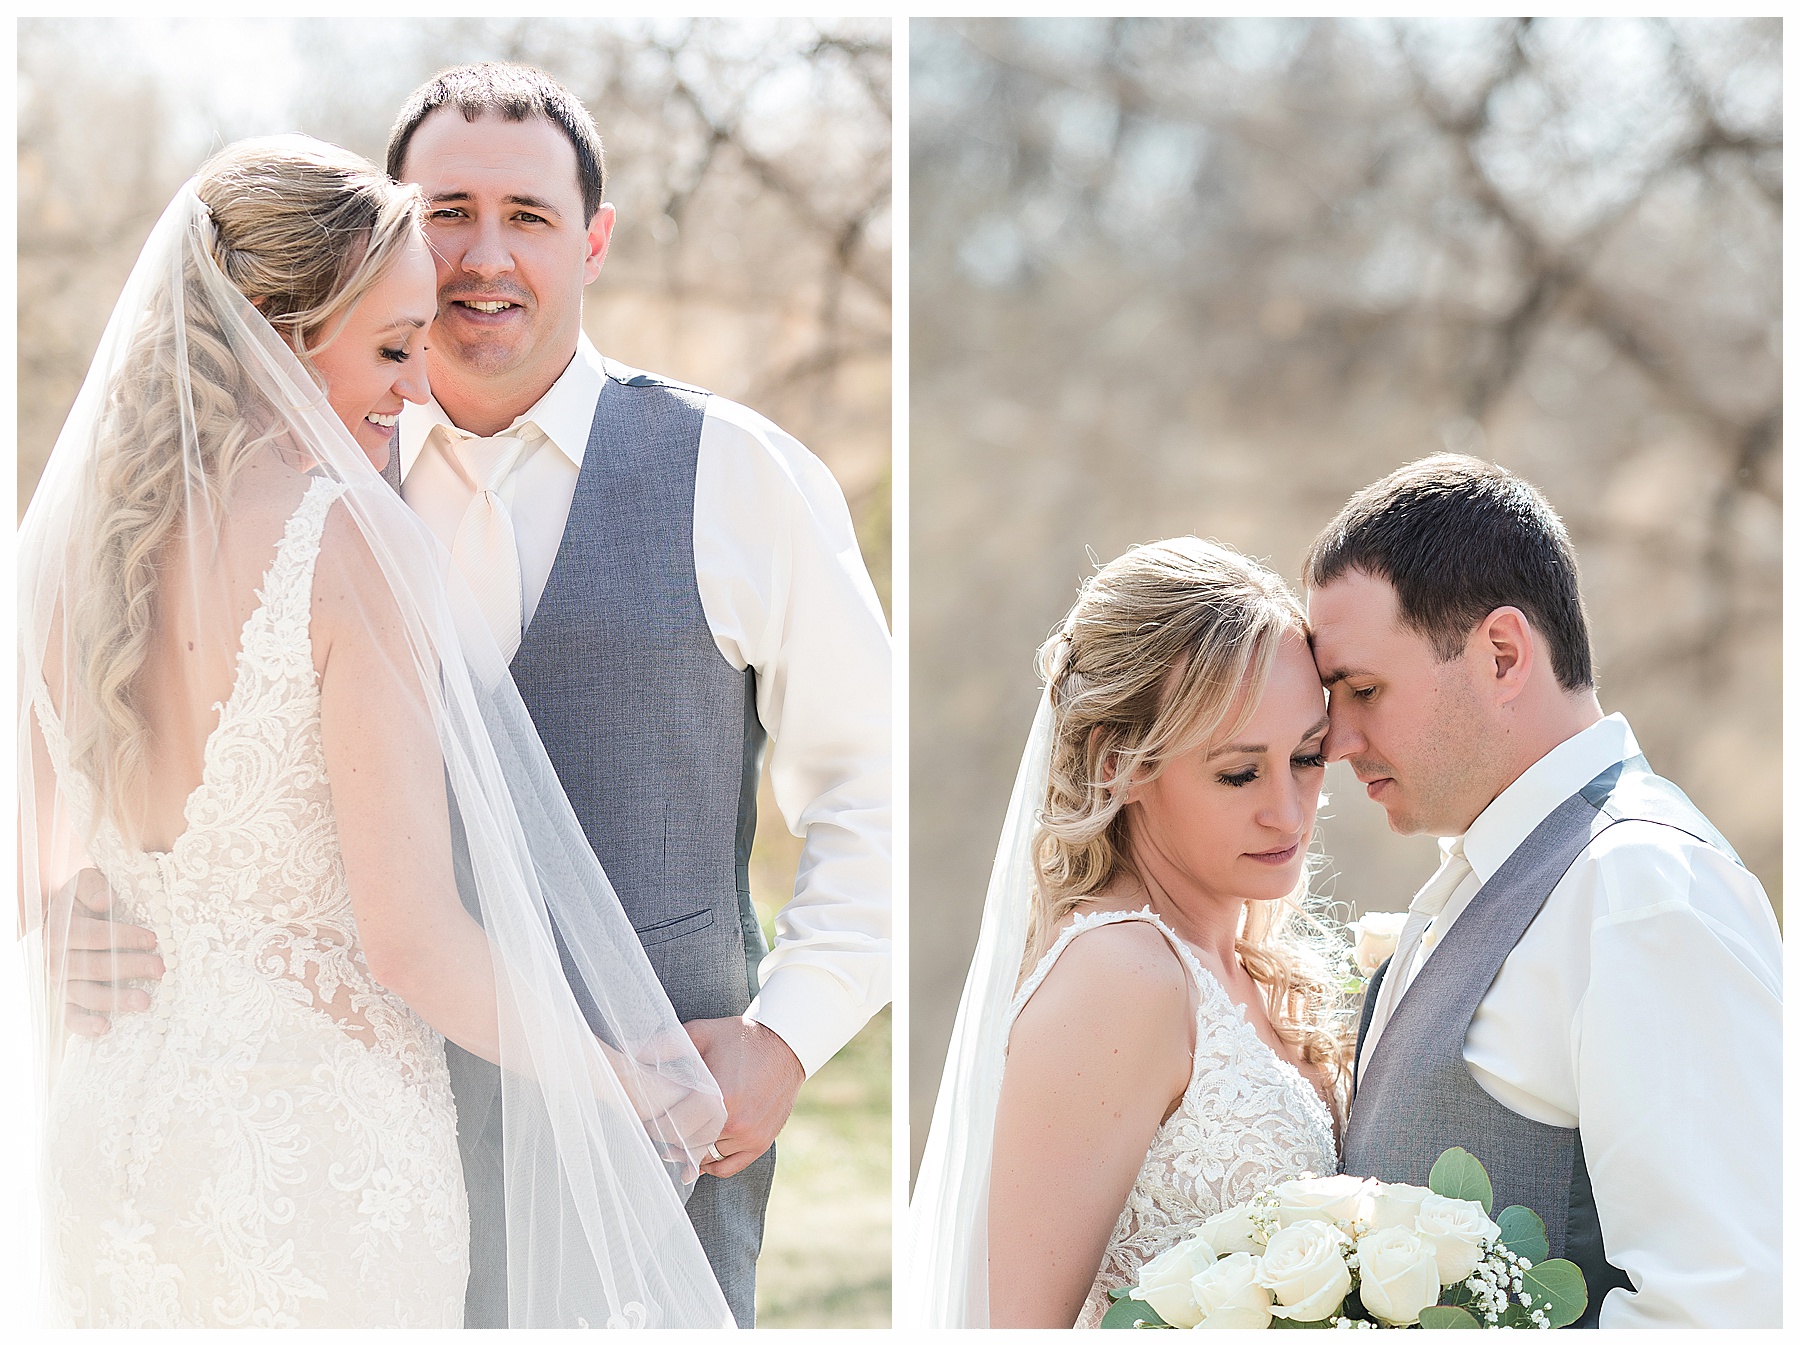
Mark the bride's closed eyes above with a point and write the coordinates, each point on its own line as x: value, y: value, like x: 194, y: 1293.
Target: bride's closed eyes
x: 368, y: 367
x: 1307, y: 761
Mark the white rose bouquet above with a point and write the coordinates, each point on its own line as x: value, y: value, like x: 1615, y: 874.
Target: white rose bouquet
x: 1352, y: 1252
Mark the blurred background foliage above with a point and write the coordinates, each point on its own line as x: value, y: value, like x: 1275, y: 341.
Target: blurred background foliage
x: 751, y: 166
x: 1212, y: 276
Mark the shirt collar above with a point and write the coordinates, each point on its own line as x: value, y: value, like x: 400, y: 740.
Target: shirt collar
x: 565, y: 413
x: 1546, y: 783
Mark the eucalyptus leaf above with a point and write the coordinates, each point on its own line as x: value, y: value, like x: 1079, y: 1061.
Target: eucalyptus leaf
x: 1523, y: 1232
x: 1558, y: 1288
x: 1447, y: 1315
x: 1459, y: 1294
x: 1289, y: 1322
x: 1459, y: 1174
x: 1129, y: 1312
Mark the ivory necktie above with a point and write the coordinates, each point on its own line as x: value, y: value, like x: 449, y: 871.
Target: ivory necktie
x: 485, y: 550
x: 1424, y: 907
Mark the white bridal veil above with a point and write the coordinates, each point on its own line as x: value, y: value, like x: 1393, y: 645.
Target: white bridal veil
x: 607, y: 1106
x: 947, y: 1283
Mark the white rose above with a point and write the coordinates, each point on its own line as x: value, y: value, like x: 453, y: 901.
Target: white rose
x: 1166, y: 1281
x: 1230, y: 1231
x: 1396, y: 1203
x: 1339, y: 1198
x: 1376, y: 935
x: 1455, y: 1230
x: 1304, y: 1268
x: 1399, y: 1275
x: 1227, y: 1294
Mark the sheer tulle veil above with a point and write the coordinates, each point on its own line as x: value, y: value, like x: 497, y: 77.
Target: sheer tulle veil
x: 946, y: 1283
x: 607, y: 1106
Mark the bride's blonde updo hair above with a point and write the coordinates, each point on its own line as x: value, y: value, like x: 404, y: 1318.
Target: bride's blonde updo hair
x: 1162, y: 646
x: 303, y: 230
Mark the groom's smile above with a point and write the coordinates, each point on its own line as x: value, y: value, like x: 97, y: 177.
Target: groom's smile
x: 488, y: 308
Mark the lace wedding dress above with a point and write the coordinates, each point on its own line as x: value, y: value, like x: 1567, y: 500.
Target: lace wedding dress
x: 1247, y: 1119
x: 273, y: 1143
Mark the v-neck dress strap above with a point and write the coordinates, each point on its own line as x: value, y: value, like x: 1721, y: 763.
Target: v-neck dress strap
x: 1093, y: 920
x: 1246, y: 1119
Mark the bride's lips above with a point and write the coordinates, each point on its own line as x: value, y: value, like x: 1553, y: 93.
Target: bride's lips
x: 1280, y: 857
x: 375, y: 427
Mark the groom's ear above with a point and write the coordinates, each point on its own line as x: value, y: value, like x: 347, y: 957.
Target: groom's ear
x: 599, y: 238
x: 1506, y: 648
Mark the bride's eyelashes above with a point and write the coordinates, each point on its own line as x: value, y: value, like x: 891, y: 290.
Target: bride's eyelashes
x: 399, y: 357
x: 1305, y: 761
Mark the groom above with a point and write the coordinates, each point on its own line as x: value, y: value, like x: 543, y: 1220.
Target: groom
x: 678, y: 583
x: 1587, y: 994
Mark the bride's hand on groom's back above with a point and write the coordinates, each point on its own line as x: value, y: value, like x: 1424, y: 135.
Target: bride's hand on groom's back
x: 93, y: 956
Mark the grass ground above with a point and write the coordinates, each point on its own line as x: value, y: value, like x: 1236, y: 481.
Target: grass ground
x: 828, y: 1241
x: 827, y: 1246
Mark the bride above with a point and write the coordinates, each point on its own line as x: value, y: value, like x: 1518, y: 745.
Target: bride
x: 251, y: 703
x: 1151, y: 1031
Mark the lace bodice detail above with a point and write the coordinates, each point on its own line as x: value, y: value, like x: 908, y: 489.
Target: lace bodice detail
x: 273, y: 1142
x: 1246, y: 1119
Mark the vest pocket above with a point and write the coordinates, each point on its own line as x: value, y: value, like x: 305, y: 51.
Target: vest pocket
x: 674, y: 928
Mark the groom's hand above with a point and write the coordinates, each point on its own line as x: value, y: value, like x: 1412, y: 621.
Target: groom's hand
x: 91, y: 955
x: 760, y: 1077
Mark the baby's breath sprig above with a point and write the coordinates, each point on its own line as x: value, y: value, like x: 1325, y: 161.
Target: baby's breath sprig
x: 1263, y: 1212
x: 1497, y: 1279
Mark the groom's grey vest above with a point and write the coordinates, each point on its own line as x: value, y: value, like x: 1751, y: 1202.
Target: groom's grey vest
x: 1417, y: 1098
x: 655, y: 739
x: 653, y: 735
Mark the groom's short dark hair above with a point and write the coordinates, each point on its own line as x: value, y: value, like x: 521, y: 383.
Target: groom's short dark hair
x: 1458, y: 537
x: 512, y: 93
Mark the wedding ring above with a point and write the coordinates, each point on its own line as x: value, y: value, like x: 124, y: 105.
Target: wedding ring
x: 712, y: 1152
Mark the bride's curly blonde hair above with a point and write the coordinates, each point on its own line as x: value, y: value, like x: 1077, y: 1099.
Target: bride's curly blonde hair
x: 302, y: 229
x: 1159, y: 648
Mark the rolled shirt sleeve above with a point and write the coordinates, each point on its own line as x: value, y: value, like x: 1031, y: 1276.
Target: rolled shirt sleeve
x: 785, y: 592
x: 1677, y: 1053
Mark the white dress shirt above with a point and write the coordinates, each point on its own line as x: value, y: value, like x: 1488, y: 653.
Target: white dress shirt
x: 1643, y: 1004
x: 784, y: 590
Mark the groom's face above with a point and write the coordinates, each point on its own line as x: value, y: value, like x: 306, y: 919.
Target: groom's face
x: 514, y: 249
x: 1411, y: 726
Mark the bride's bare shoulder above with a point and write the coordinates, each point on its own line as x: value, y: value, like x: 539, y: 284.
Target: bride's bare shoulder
x: 1119, y: 973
